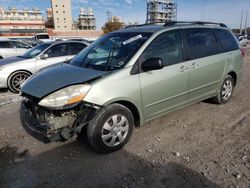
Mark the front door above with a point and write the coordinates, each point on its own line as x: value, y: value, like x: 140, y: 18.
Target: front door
x: 166, y: 89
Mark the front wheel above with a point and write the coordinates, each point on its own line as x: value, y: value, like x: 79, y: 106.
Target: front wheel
x: 111, y: 128
x: 16, y: 80
x: 226, y: 90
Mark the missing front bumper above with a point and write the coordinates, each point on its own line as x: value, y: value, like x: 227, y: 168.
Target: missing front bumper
x: 50, y: 126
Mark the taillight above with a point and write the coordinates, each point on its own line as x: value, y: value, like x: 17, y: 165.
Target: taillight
x: 242, y: 50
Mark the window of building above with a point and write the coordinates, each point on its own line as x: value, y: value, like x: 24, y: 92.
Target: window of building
x: 63, y: 6
x: 56, y: 11
x: 200, y: 43
x: 56, y: 5
x: 63, y: 11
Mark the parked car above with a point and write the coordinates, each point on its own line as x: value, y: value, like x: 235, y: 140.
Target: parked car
x: 30, y: 41
x: 10, y: 48
x: 79, y: 39
x: 44, y: 37
x: 15, y: 70
x: 129, y: 77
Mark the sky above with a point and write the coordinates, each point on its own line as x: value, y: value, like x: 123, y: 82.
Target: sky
x: 226, y: 11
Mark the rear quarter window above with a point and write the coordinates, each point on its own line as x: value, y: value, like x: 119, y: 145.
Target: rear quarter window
x: 227, y: 40
x: 200, y: 42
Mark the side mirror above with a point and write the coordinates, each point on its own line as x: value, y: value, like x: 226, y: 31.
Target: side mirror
x: 152, y: 64
x: 44, y: 56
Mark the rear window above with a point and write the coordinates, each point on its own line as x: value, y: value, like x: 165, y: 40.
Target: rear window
x: 42, y: 36
x: 227, y: 40
x: 200, y: 43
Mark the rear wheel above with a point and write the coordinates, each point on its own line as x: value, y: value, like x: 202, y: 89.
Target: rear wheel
x: 111, y: 128
x: 226, y: 91
x: 16, y: 80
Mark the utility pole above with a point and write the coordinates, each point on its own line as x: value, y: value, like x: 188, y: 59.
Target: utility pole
x: 109, y: 16
x: 246, y: 23
x: 241, y: 20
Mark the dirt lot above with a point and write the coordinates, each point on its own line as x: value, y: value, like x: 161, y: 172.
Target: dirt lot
x: 203, y: 145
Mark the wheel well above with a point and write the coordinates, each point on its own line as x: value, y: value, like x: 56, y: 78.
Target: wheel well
x: 18, y: 71
x: 133, y: 109
x: 234, y: 75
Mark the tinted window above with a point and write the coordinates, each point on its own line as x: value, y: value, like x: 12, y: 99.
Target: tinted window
x: 75, y: 48
x: 57, y: 50
x: 200, y: 43
x: 43, y: 36
x: 227, y: 40
x: 5, y: 44
x: 167, y: 46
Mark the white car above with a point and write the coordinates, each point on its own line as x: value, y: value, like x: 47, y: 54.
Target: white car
x: 15, y: 70
x: 10, y: 48
x: 43, y: 37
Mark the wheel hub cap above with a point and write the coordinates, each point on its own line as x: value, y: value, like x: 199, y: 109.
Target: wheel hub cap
x: 227, y: 90
x: 115, y: 130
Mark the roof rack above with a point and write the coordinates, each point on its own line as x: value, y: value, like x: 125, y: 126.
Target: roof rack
x: 172, y: 23
x: 140, y: 25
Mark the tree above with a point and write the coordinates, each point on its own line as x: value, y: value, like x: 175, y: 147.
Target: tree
x: 112, y: 25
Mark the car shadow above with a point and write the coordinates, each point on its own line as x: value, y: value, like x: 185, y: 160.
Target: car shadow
x: 75, y: 165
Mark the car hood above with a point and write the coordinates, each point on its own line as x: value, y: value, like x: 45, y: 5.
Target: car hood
x: 11, y: 60
x: 57, y: 77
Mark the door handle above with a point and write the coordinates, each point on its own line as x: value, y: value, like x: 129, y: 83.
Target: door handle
x: 194, y: 66
x: 183, y: 69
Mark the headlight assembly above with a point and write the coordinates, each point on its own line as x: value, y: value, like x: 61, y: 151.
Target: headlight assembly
x: 65, y: 97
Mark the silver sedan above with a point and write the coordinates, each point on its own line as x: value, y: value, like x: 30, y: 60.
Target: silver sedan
x: 15, y: 70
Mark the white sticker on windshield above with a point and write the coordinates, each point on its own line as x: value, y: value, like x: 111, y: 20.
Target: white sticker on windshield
x: 132, y: 39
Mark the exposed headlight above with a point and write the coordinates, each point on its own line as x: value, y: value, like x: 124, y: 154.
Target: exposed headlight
x: 67, y: 96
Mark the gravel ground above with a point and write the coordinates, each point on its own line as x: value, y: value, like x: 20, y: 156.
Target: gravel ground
x: 203, y: 145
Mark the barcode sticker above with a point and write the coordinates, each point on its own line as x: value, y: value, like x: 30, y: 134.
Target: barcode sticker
x: 132, y: 39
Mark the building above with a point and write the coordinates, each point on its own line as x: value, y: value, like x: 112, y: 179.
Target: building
x: 62, y: 15
x: 22, y: 20
x: 50, y: 20
x: 161, y: 11
x: 86, y: 20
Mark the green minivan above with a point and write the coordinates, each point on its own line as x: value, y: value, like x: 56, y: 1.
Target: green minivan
x: 129, y: 77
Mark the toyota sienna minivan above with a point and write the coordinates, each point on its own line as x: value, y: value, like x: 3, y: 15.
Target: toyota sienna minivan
x: 129, y: 77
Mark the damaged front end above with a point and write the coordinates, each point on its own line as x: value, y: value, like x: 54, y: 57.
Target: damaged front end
x: 54, y: 125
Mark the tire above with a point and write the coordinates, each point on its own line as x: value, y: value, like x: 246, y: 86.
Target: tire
x: 16, y: 79
x: 103, y: 135
x: 224, y: 96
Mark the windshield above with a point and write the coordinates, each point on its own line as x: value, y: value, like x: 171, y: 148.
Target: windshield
x: 42, y: 36
x: 110, y: 52
x: 35, y: 51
